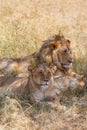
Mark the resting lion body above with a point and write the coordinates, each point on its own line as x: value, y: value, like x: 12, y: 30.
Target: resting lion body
x: 48, y: 83
x: 13, y: 86
x: 43, y: 83
x: 38, y: 85
x: 18, y: 65
x: 56, y: 50
x: 63, y: 83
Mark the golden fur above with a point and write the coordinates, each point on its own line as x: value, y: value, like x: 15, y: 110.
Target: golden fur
x: 63, y: 82
x: 57, y: 51
x: 13, y: 85
x: 43, y: 83
x: 48, y: 83
x: 15, y: 66
x: 40, y: 83
x: 38, y: 86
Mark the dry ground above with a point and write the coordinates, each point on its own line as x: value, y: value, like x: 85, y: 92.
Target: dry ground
x: 24, y: 24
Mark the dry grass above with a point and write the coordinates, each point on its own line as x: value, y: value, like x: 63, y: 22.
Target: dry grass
x: 18, y: 114
x: 24, y: 24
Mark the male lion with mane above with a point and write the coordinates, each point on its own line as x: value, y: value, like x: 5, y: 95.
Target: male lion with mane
x: 15, y: 66
x: 57, y: 51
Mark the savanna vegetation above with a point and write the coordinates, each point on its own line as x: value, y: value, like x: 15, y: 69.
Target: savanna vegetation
x: 24, y: 24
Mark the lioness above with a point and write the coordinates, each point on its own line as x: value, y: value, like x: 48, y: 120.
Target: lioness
x: 48, y: 83
x: 41, y: 83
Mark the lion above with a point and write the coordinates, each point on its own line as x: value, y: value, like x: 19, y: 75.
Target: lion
x: 56, y: 50
x: 74, y: 82
x: 41, y: 83
x: 48, y: 83
x: 64, y: 82
x: 15, y: 67
x: 38, y: 85
x: 15, y: 86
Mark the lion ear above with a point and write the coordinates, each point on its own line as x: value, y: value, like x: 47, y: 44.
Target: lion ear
x: 55, y: 44
x: 68, y: 42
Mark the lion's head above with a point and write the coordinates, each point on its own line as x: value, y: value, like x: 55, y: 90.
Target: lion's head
x: 41, y: 82
x: 40, y: 74
x: 56, y: 50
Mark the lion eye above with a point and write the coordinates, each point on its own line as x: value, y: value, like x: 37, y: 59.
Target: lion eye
x: 65, y: 51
